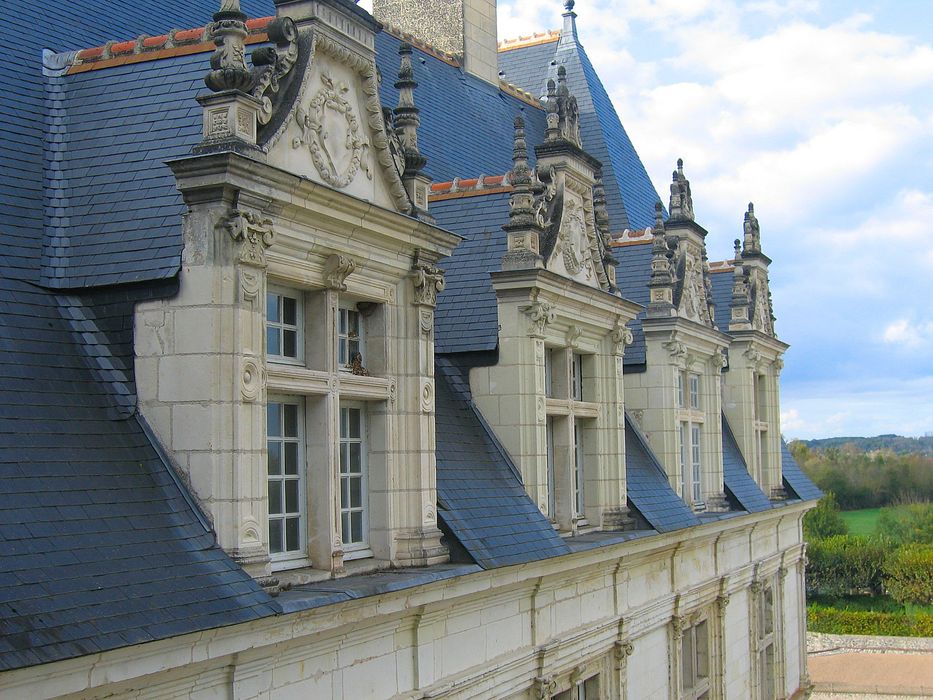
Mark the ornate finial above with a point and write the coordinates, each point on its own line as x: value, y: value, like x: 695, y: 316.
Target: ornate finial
x: 681, y: 204
x: 563, y: 113
x: 752, y: 232
x: 737, y: 244
x: 568, y: 5
x: 661, y: 282
x: 601, y: 218
x: 523, y: 227
x: 405, y: 116
x: 228, y: 63
x: 552, y: 132
x: 739, y: 318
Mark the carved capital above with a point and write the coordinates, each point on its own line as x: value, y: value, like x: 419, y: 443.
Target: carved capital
x: 676, y: 349
x: 336, y: 270
x: 252, y: 232
x: 721, y: 603
x: 621, y: 337
x: 752, y: 355
x: 621, y: 651
x: 428, y: 282
x: 541, y: 315
x: 678, y: 624
x: 573, y: 335
x: 544, y: 687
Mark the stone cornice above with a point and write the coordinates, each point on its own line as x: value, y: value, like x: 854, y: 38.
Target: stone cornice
x: 691, y: 333
x: 773, y: 347
x: 306, y: 203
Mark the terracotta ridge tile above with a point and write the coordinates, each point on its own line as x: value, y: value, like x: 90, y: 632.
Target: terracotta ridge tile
x: 148, y: 46
x: 534, y: 39
x: 470, y: 187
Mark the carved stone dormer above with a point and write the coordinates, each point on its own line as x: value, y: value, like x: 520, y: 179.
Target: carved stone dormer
x: 525, y: 226
x: 692, y: 296
x: 406, y: 119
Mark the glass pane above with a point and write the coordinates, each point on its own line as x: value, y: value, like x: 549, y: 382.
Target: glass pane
x: 289, y: 311
x: 591, y: 688
x: 273, y: 419
x: 356, y: 520
x: 289, y: 343
x: 344, y: 457
x: 356, y: 493
x: 291, y: 420
x: 275, y: 497
x: 272, y: 341
x: 345, y: 527
x: 275, y: 458
x: 686, y: 660
x: 342, y: 322
x: 275, y: 536
x: 354, y: 419
x: 291, y: 496
x: 702, y: 643
x: 291, y: 457
x: 342, y: 357
x: 353, y: 324
x: 353, y: 349
x: 344, y: 494
x: 355, y: 462
x: 272, y: 307
x: 291, y: 534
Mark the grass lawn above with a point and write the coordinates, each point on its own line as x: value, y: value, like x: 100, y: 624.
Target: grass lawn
x: 861, y: 522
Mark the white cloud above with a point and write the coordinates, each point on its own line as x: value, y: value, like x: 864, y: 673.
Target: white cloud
x: 908, y: 334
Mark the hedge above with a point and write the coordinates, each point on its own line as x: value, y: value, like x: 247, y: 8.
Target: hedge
x: 834, y: 621
x: 910, y: 574
x: 845, y: 564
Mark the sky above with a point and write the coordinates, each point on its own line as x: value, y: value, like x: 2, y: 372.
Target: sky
x: 821, y: 113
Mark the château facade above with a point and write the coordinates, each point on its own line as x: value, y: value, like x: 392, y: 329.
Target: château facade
x: 356, y: 356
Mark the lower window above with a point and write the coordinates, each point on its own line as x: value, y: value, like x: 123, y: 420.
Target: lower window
x: 353, y: 487
x: 582, y: 690
x: 694, y: 662
x: 284, y: 480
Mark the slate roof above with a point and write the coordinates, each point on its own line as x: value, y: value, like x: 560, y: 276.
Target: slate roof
x: 649, y: 491
x: 632, y: 273
x: 630, y: 195
x: 722, y: 299
x: 794, y: 478
x: 738, y: 482
x: 480, y: 495
x: 102, y: 547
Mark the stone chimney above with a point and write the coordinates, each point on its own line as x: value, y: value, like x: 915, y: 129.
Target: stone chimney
x: 464, y: 28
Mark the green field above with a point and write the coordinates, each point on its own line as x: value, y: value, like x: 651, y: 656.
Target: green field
x: 861, y: 522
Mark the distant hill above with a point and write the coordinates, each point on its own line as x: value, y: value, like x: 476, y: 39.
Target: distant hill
x: 895, y: 443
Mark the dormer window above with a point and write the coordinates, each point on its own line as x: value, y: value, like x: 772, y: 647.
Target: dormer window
x: 349, y: 336
x: 284, y: 337
x: 689, y: 436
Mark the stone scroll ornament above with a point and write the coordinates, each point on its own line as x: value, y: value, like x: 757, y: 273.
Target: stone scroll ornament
x: 253, y: 232
x: 338, y: 154
x: 272, y: 64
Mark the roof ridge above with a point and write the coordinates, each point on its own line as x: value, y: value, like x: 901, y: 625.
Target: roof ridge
x: 470, y: 187
x: 421, y: 44
x: 533, y: 39
x: 149, y: 46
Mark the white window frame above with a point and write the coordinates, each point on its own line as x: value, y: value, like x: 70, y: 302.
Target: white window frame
x: 549, y: 372
x: 765, y: 640
x: 551, y: 471
x: 690, y: 659
x: 280, y: 327
x: 343, y: 313
x: 300, y: 478
x: 679, y: 389
x: 694, y: 383
x: 579, y: 472
x: 360, y: 549
x: 576, y: 376
x: 696, y: 463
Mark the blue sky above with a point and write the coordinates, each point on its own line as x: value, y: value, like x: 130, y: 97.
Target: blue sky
x: 822, y: 114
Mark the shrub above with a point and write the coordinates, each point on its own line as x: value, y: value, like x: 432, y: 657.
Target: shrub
x: 910, y: 574
x: 911, y: 523
x: 824, y: 520
x: 890, y: 624
x: 845, y: 564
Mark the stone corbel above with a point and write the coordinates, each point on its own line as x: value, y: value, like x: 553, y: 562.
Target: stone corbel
x: 573, y: 335
x: 541, y: 315
x: 427, y: 280
x: 621, y: 650
x: 778, y: 365
x: 675, y: 348
x: 621, y: 337
x: 253, y: 233
x: 752, y: 355
x: 336, y: 270
x: 544, y: 687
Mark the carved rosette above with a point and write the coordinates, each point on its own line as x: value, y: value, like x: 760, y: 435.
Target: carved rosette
x: 541, y: 315
x: 428, y: 282
x: 427, y: 395
x: 336, y: 270
x: 253, y: 232
x: 328, y: 149
x: 252, y: 379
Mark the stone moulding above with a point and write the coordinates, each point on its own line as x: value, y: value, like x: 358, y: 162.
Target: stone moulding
x: 381, y: 141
